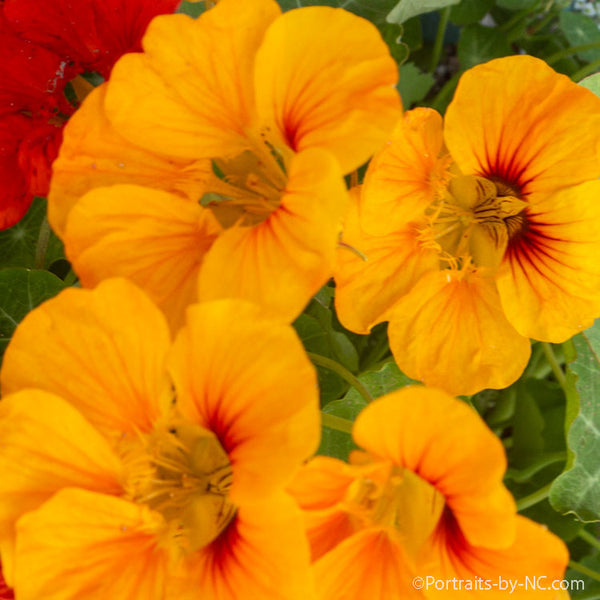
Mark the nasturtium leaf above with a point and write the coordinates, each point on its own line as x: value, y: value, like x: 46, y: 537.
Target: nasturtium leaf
x: 373, y: 10
x: 406, y: 9
x: 337, y: 443
x: 515, y: 4
x: 18, y: 244
x: 414, y: 84
x: 592, y: 83
x: 470, y: 11
x: 479, y: 44
x: 21, y: 290
x: 580, y: 29
x: 577, y: 490
x: 386, y: 379
x: 192, y: 9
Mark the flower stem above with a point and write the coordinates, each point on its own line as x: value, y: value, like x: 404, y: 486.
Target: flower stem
x: 566, y: 52
x: 439, y: 39
x: 591, y: 539
x: 332, y: 365
x: 42, y: 244
x: 558, y: 372
x: 336, y: 423
x: 584, y: 570
x: 534, y: 498
x: 585, y: 71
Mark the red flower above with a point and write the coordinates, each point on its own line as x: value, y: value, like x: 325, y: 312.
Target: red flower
x: 44, y: 47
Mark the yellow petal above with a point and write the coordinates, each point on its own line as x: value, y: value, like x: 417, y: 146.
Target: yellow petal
x: 101, y: 350
x: 247, y: 379
x: 46, y: 445
x: 532, y: 128
x: 366, y: 566
x: 154, y: 239
x: 445, y: 443
x: 407, y: 175
x: 263, y: 555
x: 82, y: 544
x: 191, y: 93
x: 283, y: 261
x: 549, y: 282
x: 450, y: 331
x: 94, y: 154
x: 303, y: 52
x: 367, y: 288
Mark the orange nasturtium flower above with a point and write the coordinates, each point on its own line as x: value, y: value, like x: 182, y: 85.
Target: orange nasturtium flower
x: 425, y: 499
x: 480, y: 232
x: 242, y: 122
x: 136, y: 468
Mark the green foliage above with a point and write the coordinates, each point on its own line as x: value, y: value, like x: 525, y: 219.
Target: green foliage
x: 467, y: 12
x: 406, y: 9
x: 193, y: 9
x: 479, y: 44
x: 577, y: 490
x: 21, y: 290
x: 18, y: 244
x: 414, y: 84
x: 373, y: 10
x: 592, y: 83
x: 580, y: 30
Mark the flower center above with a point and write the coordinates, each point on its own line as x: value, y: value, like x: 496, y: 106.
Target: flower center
x: 181, y: 471
x: 475, y: 221
x: 246, y: 189
x: 396, y: 500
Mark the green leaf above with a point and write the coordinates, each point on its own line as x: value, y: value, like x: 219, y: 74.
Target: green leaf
x: 478, y: 44
x: 592, y: 83
x: 18, y: 244
x: 579, y: 30
x: 515, y: 4
x: 383, y: 381
x: 406, y: 9
x: 577, y: 490
x: 470, y: 11
x: 192, y: 9
x: 337, y: 443
x: 21, y: 290
x: 414, y: 84
x: 373, y: 10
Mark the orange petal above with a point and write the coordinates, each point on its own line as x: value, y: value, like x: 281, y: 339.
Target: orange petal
x: 445, y: 443
x: 102, y: 350
x: 366, y: 566
x: 516, y: 119
x: 247, y: 378
x: 303, y: 52
x: 471, y: 345
x: 319, y: 487
x: 407, y: 175
x: 82, y: 544
x: 94, y: 154
x: 283, y: 261
x: 191, y: 92
x: 549, y: 282
x: 528, y: 569
x: 46, y: 445
x: 155, y: 239
x: 263, y: 555
x: 367, y: 288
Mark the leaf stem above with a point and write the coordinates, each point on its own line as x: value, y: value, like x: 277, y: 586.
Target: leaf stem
x: 336, y: 423
x: 566, y: 52
x: 532, y: 499
x: 584, y: 570
x: 439, y: 38
x: 558, y: 372
x: 42, y: 244
x: 585, y: 71
x: 332, y: 365
x: 591, y: 539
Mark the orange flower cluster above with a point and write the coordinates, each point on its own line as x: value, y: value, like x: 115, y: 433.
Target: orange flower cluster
x: 158, y: 426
